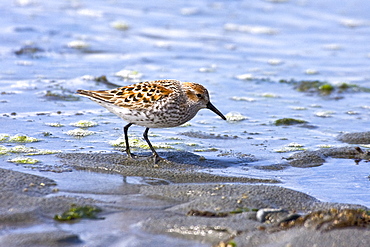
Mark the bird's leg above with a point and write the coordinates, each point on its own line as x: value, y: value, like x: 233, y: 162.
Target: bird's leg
x: 155, y: 155
x: 125, y: 130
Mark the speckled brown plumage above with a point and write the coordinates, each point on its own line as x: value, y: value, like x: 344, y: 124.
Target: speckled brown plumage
x: 154, y: 104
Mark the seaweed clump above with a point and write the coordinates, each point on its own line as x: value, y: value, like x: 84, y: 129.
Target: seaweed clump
x: 333, y: 218
x: 289, y: 121
x: 17, y: 139
x: 324, y: 88
x: 79, y: 212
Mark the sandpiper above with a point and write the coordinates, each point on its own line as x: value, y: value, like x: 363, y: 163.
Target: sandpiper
x: 154, y: 104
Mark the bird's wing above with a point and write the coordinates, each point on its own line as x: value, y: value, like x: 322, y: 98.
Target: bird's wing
x: 135, y: 96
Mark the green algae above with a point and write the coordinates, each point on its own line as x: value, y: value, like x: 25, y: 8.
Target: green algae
x: 3, y: 137
x: 138, y: 143
x: 325, y: 88
x: 60, y: 96
x: 270, y: 95
x: 331, y: 219
x: 47, y: 134
x: 24, y: 160
x: 80, y: 132
x: 26, y: 150
x: 120, y: 25
x: 288, y: 149
x: 3, y: 150
x: 192, y: 144
x: 322, y: 87
x: 54, y: 124
x: 325, y: 146
x: 84, y: 124
x: 118, y: 143
x: 22, y: 139
x: 17, y: 139
x: 32, y: 151
x: 230, y: 243
x: 79, y: 212
x: 288, y: 121
x: 174, y: 138
x: 43, y: 152
x: 291, y: 147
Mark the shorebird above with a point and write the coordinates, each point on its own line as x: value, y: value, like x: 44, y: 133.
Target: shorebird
x: 154, y: 104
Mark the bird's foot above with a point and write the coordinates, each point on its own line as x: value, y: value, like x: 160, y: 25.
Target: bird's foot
x: 156, y: 158
x: 131, y: 155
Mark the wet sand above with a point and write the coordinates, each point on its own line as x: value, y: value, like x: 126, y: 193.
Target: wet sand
x: 184, y: 204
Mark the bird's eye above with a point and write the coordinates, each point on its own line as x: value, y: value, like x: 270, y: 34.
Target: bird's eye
x: 199, y: 95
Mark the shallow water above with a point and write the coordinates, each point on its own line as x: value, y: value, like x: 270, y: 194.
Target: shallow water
x: 238, y: 49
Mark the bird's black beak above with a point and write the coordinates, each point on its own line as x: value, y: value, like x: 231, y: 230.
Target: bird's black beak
x: 214, y: 109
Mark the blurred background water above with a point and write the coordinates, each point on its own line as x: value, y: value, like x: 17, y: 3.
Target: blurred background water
x: 239, y: 50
